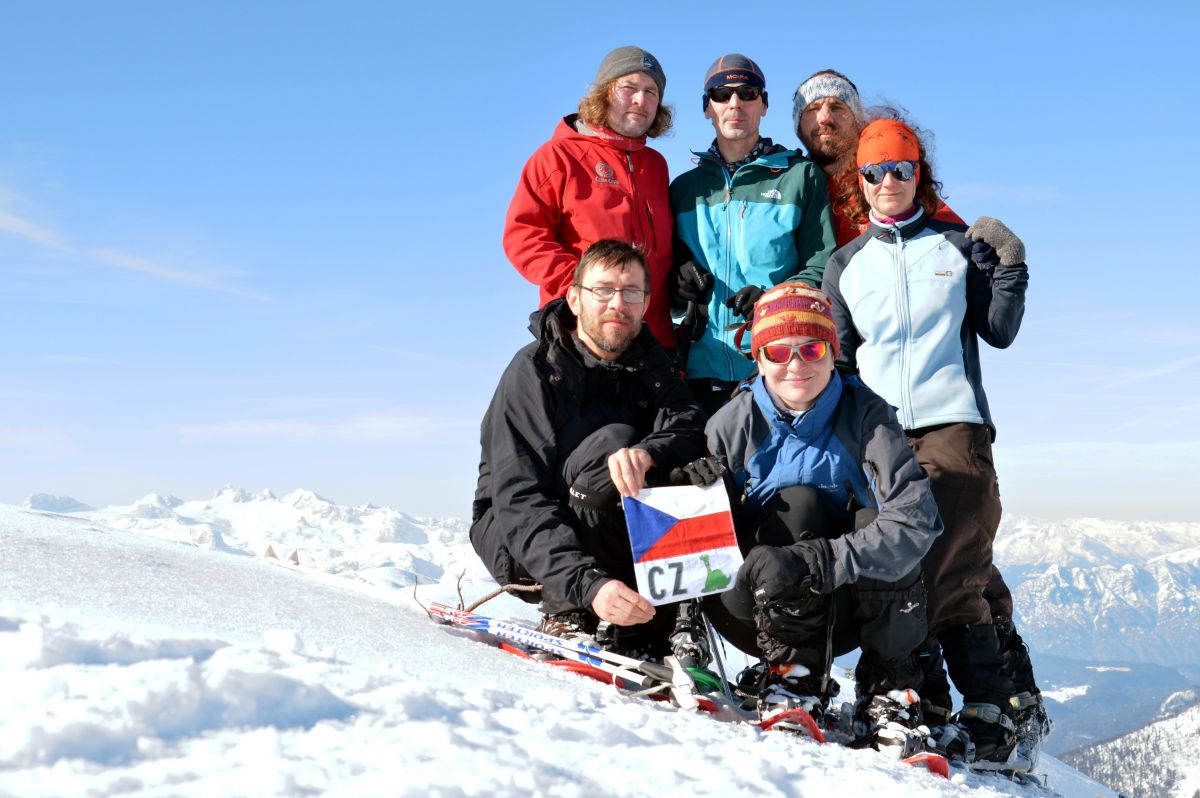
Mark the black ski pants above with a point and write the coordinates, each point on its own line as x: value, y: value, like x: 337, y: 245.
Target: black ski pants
x: 885, y: 619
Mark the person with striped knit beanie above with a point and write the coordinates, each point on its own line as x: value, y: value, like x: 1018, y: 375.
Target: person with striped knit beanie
x: 833, y: 558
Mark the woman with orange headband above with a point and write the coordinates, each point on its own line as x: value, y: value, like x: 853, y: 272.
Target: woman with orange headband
x: 912, y: 296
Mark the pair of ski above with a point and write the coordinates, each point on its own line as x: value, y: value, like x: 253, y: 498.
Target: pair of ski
x: 666, y: 681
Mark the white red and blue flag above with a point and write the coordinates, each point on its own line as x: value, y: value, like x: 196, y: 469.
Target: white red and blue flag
x: 684, y: 545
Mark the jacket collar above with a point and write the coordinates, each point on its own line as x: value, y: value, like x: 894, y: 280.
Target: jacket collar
x: 558, y: 349
x: 572, y: 128
x: 907, y: 228
x: 812, y: 421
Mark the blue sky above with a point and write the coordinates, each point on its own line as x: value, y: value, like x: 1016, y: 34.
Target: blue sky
x: 259, y: 243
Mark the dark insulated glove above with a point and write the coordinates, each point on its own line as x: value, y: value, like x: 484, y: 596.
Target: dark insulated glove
x: 791, y: 605
x: 991, y: 231
x: 693, y: 283
x: 984, y: 256
x: 781, y: 573
x: 742, y: 303
x: 701, y: 473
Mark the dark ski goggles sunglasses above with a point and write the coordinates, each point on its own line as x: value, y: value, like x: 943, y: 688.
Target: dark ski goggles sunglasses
x: 876, y: 172
x: 721, y: 94
x: 781, y: 354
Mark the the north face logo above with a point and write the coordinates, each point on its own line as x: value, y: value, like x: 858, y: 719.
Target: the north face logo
x: 773, y: 194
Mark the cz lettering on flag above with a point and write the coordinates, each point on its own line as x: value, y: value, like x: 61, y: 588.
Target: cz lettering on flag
x: 684, y: 545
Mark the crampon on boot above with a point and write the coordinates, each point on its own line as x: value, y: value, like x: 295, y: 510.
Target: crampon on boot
x: 776, y: 689
x: 891, y: 723
x: 993, y: 735
x: 689, y: 640
x: 1033, y: 726
x: 571, y: 624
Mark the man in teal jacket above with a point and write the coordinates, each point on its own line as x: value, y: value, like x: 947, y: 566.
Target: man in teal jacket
x: 751, y: 215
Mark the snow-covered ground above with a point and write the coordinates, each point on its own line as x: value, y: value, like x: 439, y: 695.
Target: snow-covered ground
x: 166, y: 659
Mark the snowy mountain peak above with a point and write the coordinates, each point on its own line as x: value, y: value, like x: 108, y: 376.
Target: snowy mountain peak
x: 55, y: 504
x: 1178, y: 703
x: 228, y: 493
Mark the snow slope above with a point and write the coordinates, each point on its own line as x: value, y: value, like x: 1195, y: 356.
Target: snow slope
x: 135, y: 665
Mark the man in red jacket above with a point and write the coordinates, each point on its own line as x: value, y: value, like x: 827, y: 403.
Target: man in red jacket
x: 596, y: 179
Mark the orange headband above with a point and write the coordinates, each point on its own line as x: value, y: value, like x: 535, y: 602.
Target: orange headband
x: 887, y: 140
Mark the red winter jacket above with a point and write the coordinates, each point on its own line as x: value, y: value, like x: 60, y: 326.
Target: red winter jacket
x: 577, y: 189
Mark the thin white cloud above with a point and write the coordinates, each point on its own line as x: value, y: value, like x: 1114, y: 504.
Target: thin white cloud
x: 355, y: 428
x: 87, y: 360
x: 208, y: 280
x: 40, y: 235
x: 1125, y: 375
x: 30, y: 231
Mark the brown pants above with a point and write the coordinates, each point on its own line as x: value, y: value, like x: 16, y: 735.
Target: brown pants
x: 958, y: 459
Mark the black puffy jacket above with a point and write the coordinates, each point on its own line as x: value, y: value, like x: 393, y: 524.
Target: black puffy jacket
x: 553, y: 395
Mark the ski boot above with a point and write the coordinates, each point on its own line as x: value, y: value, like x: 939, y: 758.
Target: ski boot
x: 993, y: 735
x: 1033, y: 726
x: 689, y: 640
x: 774, y: 689
x: 891, y: 723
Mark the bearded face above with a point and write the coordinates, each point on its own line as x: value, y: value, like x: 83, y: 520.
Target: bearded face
x: 829, y: 132
x: 607, y: 327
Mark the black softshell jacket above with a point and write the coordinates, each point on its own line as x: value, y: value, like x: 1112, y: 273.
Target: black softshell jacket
x: 552, y: 396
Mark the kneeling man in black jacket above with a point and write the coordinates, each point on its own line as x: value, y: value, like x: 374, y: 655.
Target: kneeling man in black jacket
x: 593, y: 409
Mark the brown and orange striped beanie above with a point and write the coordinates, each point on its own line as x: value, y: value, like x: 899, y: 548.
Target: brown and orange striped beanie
x: 792, y: 309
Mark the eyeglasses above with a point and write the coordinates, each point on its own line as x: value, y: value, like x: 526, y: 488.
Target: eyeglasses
x: 876, y: 172
x: 605, y: 293
x: 781, y: 354
x: 721, y: 94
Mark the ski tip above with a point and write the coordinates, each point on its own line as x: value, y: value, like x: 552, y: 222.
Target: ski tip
x: 794, y: 720
x: 934, y: 763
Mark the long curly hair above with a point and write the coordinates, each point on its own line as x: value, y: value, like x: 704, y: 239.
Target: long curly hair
x: 593, y: 110
x: 929, y: 190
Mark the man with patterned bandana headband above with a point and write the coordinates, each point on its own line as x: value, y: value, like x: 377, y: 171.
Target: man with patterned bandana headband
x: 828, y: 115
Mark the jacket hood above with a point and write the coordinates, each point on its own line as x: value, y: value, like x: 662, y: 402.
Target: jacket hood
x: 597, y: 135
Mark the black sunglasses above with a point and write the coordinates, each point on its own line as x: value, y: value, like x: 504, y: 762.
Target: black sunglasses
x: 874, y: 173
x: 722, y: 94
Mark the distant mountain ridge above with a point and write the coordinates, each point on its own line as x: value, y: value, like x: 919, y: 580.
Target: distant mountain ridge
x: 1161, y: 760
x: 1087, y: 589
x: 1106, y: 590
x: 379, y: 545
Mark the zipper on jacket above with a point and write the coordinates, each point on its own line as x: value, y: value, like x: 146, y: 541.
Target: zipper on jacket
x: 904, y: 317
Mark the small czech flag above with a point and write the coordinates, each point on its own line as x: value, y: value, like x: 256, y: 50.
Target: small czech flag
x: 684, y: 545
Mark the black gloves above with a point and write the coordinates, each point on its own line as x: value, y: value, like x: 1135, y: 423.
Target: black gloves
x: 693, y: 283
x: 984, y: 256
x: 781, y: 573
x: 701, y: 473
x: 791, y: 606
x: 743, y: 301
x: 992, y: 231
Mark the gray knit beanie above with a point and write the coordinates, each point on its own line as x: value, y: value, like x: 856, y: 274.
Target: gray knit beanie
x: 627, y: 60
